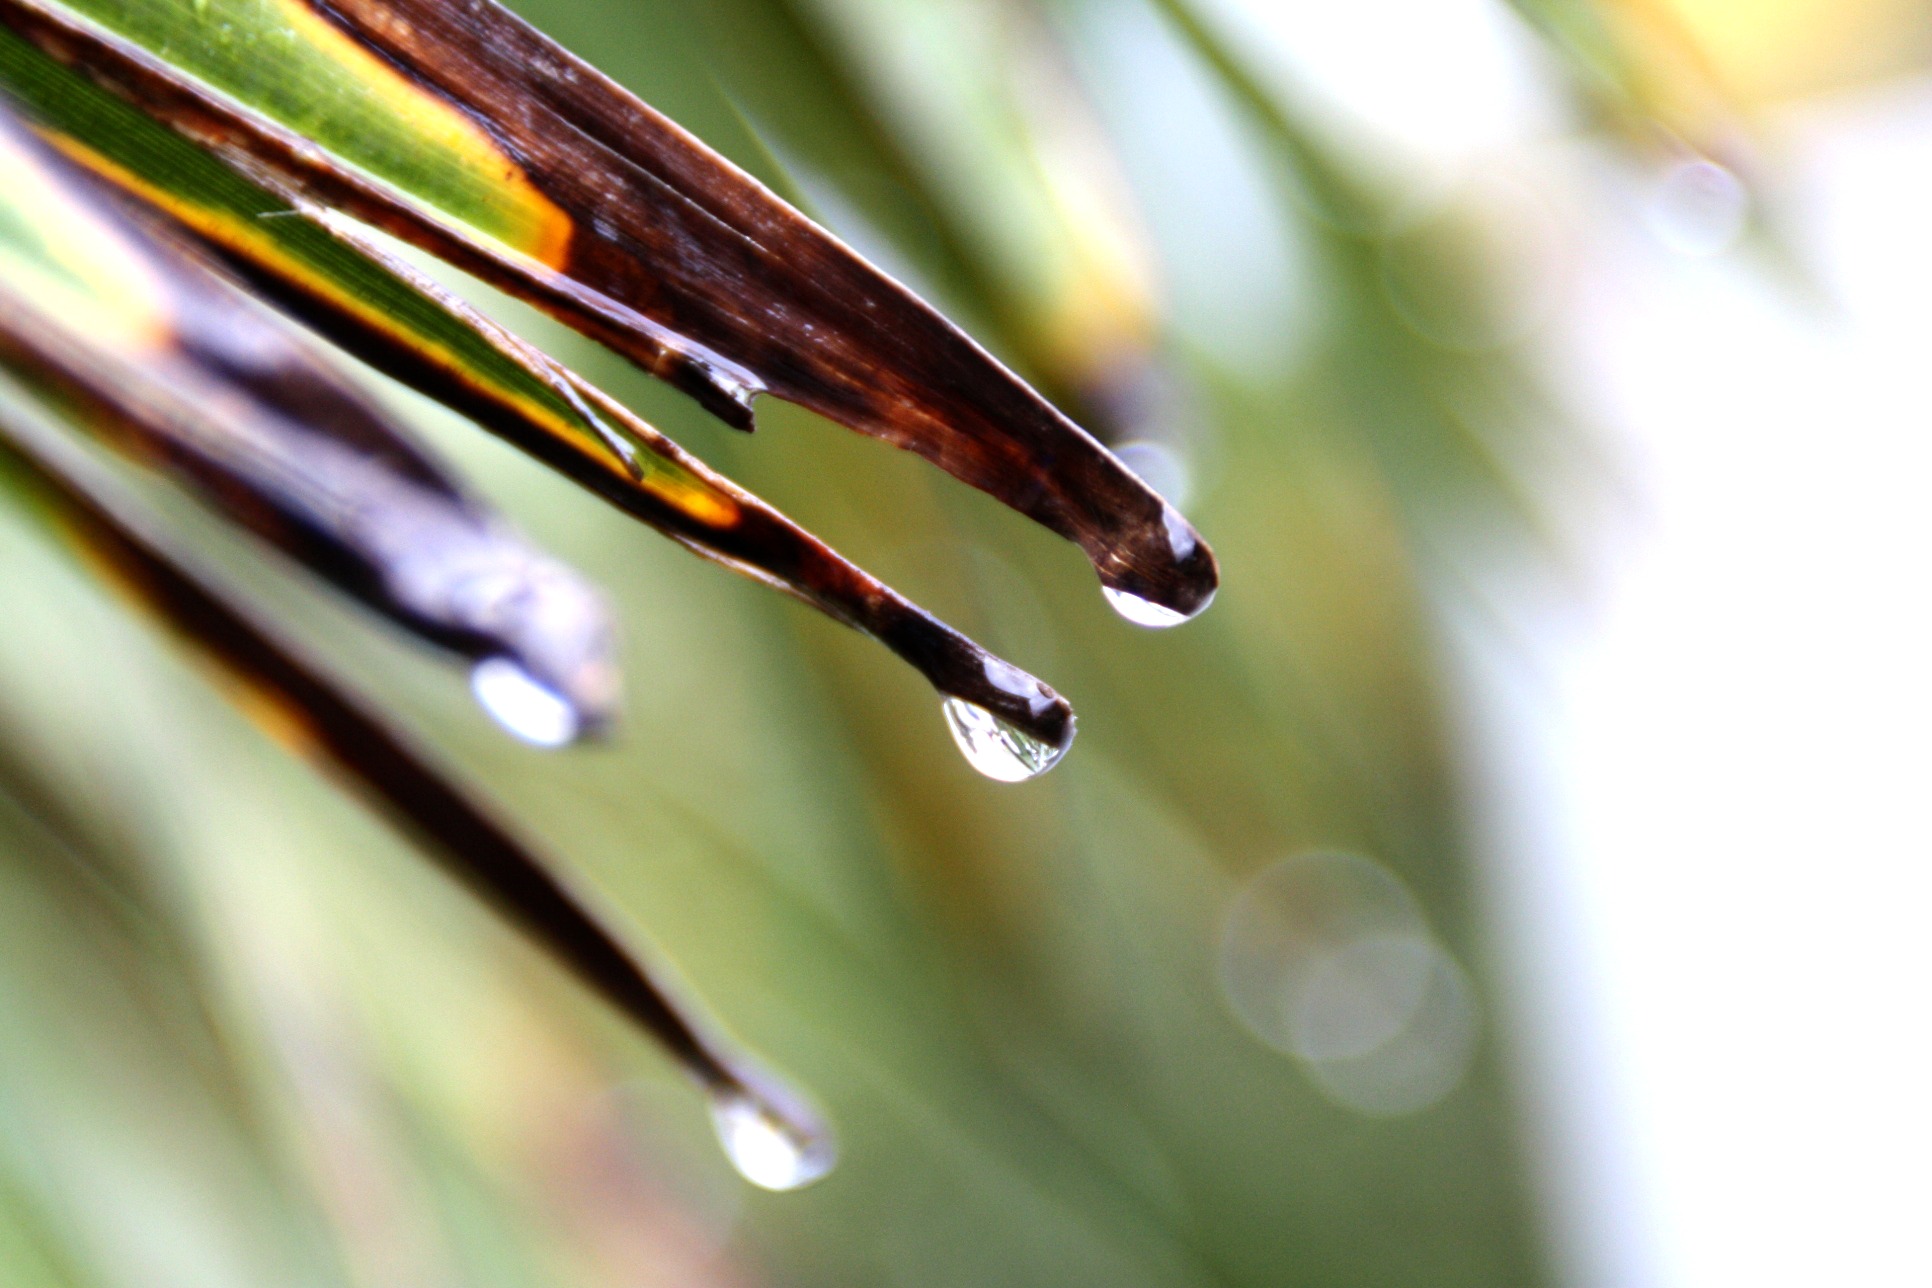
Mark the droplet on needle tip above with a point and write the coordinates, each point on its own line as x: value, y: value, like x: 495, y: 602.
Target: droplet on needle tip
x: 772, y: 1147
x: 996, y: 748
x: 523, y: 705
x: 1172, y: 581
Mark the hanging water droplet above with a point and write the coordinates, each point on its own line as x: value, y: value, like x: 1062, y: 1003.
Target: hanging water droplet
x: 771, y: 1148
x: 1142, y: 612
x: 994, y: 747
x: 1188, y: 590
x: 524, y: 705
x: 1698, y: 208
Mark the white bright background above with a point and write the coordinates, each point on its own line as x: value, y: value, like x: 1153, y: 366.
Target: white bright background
x: 1709, y: 740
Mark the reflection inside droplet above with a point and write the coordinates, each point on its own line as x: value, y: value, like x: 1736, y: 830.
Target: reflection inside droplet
x: 994, y: 747
x: 1142, y: 612
x: 772, y: 1149
x: 521, y: 704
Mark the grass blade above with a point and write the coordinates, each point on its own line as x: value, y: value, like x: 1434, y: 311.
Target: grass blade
x: 407, y: 326
x: 298, y: 703
x: 173, y: 366
x: 460, y: 128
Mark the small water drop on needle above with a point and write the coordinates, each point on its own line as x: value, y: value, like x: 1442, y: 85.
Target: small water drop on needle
x: 771, y: 1149
x: 1144, y: 612
x: 1187, y: 583
x: 524, y: 705
x: 1698, y: 208
x: 994, y: 747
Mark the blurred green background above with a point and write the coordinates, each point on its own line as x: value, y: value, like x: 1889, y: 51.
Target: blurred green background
x: 248, y: 1037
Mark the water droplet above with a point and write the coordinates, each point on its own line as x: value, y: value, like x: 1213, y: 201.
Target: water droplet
x: 1188, y: 590
x: 774, y: 1149
x: 1698, y: 208
x: 1142, y: 612
x: 994, y: 747
x: 520, y: 703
